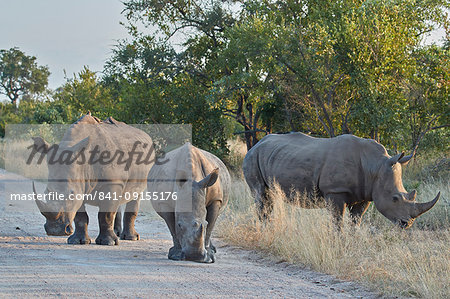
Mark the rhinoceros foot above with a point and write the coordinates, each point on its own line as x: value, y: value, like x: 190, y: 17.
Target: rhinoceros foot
x: 212, y: 247
x: 175, y: 254
x: 79, y: 238
x: 132, y: 236
x: 211, y: 254
x: 108, y: 238
x: 118, y: 230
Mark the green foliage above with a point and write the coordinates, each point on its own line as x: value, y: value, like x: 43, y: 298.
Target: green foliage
x: 20, y: 75
x: 152, y: 83
x: 34, y: 112
x: 85, y: 93
x: 76, y: 97
x: 253, y: 67
x: 7, y: 115
x: 427, y: 93
x: 53, y: 112
x: 318, y: 66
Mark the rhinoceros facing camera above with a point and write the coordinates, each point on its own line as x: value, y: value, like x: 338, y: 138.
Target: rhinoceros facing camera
x: 109, y: 173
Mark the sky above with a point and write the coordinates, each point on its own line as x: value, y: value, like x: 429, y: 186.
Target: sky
x: 62, y: 34
x: 67, y: 34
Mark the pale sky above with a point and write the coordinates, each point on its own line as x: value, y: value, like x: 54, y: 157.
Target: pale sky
x: 62, y: 34
x: 66, y: 34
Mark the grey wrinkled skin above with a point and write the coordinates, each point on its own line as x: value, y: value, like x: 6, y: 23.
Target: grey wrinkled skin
x: 202, y: 183
x: 91, y: 178
x: 345, y: 171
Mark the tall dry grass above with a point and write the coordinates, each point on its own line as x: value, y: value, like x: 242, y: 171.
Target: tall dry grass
x: 14, y: 155
x: 234, y: 160
x: 414, y: 262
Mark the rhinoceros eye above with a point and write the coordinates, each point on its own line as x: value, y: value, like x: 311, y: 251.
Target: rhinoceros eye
x: 395, y: 198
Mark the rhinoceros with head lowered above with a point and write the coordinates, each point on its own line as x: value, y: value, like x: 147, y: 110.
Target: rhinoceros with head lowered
x: 346, y: 171
x: 196, y: 184
x: 100, y: 163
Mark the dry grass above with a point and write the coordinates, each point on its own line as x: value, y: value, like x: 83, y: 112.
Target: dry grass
x: 392, y: 261
x: 14, y: 155
x: 234, y: 160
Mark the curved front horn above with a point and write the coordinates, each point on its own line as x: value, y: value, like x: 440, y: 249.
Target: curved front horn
x: 42, y: 207
x: 420, y: 208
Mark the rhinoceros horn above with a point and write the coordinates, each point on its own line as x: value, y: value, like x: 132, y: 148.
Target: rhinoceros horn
x: 42, y: 206
x: 420, y: 208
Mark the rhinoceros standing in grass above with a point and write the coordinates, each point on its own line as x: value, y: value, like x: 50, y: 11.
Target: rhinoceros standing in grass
x: 196, y: 184
x: 347, y: 171
x: 107, y: 160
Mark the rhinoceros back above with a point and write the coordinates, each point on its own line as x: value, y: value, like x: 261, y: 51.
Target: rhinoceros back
x: 194, y: 161
x: 115, y: 138
x: 301, y: 163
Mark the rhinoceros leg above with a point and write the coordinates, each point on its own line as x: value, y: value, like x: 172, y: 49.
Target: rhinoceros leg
x: 81, y: 224
x: 175, y: 251
x: 263, y: 203
x: 212, y: 212
x: 131, y: 211
x: 106, y: 223
x: 358, y: 210
x: 337, y: 203
x: 118, y: 221
x: 106, y: 216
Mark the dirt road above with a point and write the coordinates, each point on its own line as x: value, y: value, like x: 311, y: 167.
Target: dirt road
x: 33, y: 264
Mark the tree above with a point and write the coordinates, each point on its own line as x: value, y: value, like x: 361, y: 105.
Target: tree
x: 427, y: 93
x: 84, y: 92
x: 53, y: 112
x: 154, y: 83
x: 247, y: 90
x: 341, y: 65
x: 21, y: 75
x: 327, y: 67
x: 381, y: 36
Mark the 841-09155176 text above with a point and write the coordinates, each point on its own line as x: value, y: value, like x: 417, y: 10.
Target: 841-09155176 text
x: 148, y: 195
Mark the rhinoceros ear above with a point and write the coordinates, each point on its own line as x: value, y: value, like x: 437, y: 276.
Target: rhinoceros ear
x: 210, y: 179
x: 405, y: 160
x: 412, y: 195
x: 396, y: 158
x: 40, y: 145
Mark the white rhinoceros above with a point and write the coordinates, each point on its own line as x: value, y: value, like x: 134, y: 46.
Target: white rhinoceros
x: 107, y: 160
x: 197, y: 185
x: 347, y: 171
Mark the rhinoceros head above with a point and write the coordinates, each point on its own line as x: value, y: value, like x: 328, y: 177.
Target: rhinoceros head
x: 390, y: 197
x: 65, y: 180
x: 191, y: 226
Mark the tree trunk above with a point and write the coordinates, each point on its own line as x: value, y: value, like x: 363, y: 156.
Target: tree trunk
x: 248, y: 139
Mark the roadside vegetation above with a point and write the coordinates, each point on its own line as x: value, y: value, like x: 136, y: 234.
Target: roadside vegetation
x: 396, y: 262
x: 238, y: 70
x: 251, y: 67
